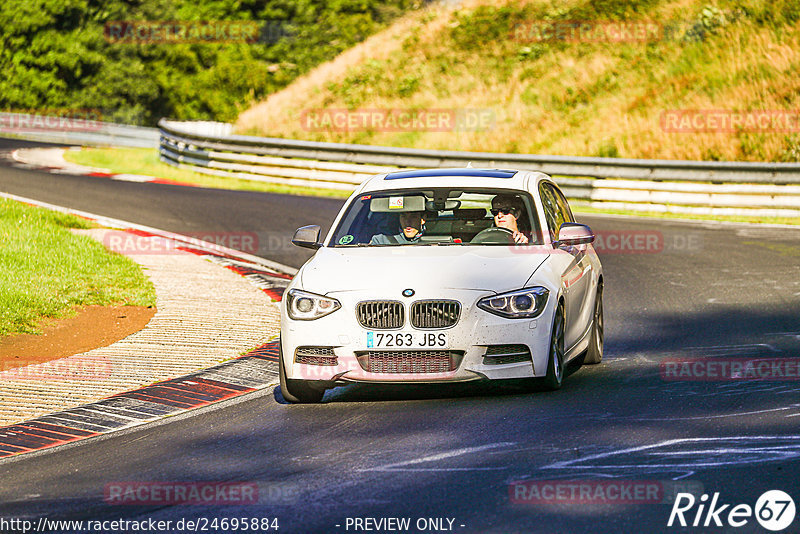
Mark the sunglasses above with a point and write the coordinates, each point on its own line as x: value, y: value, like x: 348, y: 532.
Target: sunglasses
x: 509, y: 211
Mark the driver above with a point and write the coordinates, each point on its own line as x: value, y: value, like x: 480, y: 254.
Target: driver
x: 413, y: 225
x: 507, y: 211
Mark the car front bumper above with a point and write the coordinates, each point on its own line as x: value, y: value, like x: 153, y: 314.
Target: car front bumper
x: 335, y: 348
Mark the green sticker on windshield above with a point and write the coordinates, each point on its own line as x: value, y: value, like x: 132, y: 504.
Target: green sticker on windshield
x: 345, y: 239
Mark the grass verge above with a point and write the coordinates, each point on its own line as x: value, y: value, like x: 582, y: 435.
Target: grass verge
x: 145, y: 161
x: 46, y: 270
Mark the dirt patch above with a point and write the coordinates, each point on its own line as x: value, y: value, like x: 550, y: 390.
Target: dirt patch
x: 93, y: 327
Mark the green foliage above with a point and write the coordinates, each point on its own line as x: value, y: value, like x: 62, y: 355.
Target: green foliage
x: 360, y: 83
x: 611, y: 9
x: 532, y: 52
x: 709, y: 22
x: 770, y: 13
x: 54, y: 54
x: 408, y: 85
x: 485, y: 25
x: 608, y: 149
x: 751, y: 146
x: 791, y: 152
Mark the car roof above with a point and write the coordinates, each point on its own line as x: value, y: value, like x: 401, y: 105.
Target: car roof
x: 457, y: 177
x: 424, y: 173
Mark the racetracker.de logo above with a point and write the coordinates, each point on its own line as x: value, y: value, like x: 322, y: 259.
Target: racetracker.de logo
x: 51, y: 120
x: 729, y: 369
x: 628, y: 242
x: 397, y: 120
x: 615, y: 491
x: 174, y: 493
x: 194, y: 31
x: 136, y: 243
x: 78, y: 367
x: 730, y: 121
x: 625, y: 242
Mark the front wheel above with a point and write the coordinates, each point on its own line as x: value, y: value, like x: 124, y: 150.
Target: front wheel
x: 555, y: 361
x: 594, y: 354
x: 296, y: 391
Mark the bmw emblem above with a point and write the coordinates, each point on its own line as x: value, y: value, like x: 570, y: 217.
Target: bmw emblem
x: 408, y: 292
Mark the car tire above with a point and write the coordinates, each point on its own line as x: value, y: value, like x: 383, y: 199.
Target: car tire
x: 594, y: 354
x: 296, y: 391
x: 555, y: 360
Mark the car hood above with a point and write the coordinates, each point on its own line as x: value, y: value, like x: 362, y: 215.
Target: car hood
x: 488, y: 268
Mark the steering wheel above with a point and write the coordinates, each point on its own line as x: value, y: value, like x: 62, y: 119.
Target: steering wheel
x: 495, y: 234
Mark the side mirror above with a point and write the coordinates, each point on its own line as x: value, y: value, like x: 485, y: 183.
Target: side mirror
x: 307, y: 237
x: 571, y: 234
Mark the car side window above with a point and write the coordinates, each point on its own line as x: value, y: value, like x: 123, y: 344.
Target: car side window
x: 563, y: 206
x: 551, y: 210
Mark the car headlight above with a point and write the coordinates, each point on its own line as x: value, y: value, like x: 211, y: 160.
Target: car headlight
x: 305, y: 306
x: 521, y: 304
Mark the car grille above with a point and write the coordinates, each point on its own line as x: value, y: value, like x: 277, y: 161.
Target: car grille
x: 381, y: 314
x: 502, y: 354
x: 410, y: 361
x: 315, y: 356
x: 435, y: 313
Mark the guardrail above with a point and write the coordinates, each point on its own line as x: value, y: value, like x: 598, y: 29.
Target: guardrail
x: 75, y: 131
x: 705, y: 187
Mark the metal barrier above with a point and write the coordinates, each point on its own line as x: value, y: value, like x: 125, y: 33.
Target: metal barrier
x: 704, y: 187
x: 75, y: 131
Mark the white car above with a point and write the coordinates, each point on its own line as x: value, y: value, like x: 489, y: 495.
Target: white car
x: 488, y: 277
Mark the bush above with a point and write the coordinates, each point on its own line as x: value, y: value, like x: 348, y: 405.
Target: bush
x: 54, y: 55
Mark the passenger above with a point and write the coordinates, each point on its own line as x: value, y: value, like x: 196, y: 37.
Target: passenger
x: 413, y: 226
x: 509, y: 213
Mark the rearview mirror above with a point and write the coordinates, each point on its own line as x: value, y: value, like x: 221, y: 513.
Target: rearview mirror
x: 397, y: 204
x: 307, y: 237
x: 571, y: 234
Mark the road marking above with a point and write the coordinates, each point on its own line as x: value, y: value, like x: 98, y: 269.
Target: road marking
x: 734, y: 347
x: 400, y: 466
x: 131, y: 178
x: 738, y: 414
x: 732, y: 450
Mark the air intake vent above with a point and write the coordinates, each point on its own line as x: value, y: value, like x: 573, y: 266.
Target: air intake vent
x: 315, y: 356
x: 435, y: 313
x: 502, y: 354
x: 410, y: 361
x: 381, y: 314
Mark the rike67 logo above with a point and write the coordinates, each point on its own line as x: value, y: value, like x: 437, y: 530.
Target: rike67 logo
x: 774, y: 510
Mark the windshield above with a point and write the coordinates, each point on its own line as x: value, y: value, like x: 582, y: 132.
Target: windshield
x: 439, y: 217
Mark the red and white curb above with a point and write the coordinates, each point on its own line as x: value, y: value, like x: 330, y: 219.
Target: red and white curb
x: 253, y: 371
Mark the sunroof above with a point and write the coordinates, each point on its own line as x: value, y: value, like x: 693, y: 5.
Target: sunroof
x: 424, y: 173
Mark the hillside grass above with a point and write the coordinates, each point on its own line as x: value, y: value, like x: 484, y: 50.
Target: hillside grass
x: 567, y: 98
x: 46, y: 270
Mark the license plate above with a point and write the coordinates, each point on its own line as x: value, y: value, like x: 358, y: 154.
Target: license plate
x: 407, y: 340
